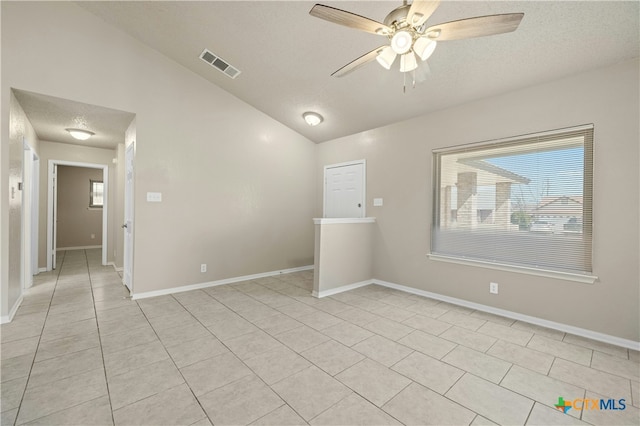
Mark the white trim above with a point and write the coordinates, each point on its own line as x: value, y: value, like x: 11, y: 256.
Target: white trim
x: 120, y: 269
x: 136, y: 296
x: 42, y: 269
x: 594, y: 335
x: 333, y: 221
x: 364, y: 183
x: 78, y: 248
x: 340, y: 289
x: 8, y: 318
x: 568, y: 276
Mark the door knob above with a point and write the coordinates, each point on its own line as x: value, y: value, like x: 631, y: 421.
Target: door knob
x: 359, y: 205
x: 124, y: 226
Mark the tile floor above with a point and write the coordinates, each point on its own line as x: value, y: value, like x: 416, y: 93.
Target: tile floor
x: 265, y: 352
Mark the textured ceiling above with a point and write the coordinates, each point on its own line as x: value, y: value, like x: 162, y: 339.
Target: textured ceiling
x: 286, y: 56
x: 50, y: 116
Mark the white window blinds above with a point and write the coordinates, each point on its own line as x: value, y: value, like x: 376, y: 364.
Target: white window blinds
x: 524, y: 201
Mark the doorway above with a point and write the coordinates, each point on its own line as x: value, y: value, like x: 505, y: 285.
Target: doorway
x: 344, y: 190
x: 30, y: 194
x: 52, y: 207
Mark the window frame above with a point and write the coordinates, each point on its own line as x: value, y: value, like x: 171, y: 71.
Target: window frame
x: 583, y: 277
x: 92, y: 204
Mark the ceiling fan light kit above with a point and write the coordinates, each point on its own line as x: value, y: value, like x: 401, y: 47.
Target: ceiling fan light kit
x: 408, y: 34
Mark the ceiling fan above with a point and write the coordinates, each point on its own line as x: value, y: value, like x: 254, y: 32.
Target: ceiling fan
x: 409, y: 36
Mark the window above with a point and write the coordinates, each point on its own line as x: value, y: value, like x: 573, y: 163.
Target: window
x: 96, y: 193
x: 524, y: 202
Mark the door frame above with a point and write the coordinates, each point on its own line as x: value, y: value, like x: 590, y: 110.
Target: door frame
x: 129, y: 215
x: 29, y: 227
x: 51, y: 201
x: 364, y: 184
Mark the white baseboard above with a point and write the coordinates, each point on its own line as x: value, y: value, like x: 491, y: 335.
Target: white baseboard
x: 78, y: 248
x: 8, y: 318
x: 136, y: 296
x: 340, y: 289
x: 42, y: 269
x: 594, y: 335
x: 115, y: 267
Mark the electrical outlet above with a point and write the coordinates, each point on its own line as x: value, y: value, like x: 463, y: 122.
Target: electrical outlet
x: 203, y: 267
x: 493, y: 288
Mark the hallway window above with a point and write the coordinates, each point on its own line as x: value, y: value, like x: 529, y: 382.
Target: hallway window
x: 96, y: 193
x: 524, y: 202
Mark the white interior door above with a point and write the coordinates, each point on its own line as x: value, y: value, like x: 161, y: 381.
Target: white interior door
x: 35, y: 211
x: 27, y: 208
x: 127, y: 277
x: 344, y: 190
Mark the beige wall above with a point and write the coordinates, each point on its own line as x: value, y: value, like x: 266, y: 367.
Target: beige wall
x: 235, y: 183
x: 399, y: 169
x: 16, y: 130
x: 76, y: 154
x: 76, y: 222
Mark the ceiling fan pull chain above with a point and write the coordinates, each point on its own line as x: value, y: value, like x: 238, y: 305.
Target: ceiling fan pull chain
x: 404, y: 82
x: 414, y: 79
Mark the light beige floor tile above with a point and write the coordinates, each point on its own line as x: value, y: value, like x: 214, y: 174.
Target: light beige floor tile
x: 590, y: 379
x: 15, y: 367
x: 175, y: 406
x: 120, y: 325
x: 429, y: 372
x: 635, y: 393
x: 485, y: 366
x: 481, y: 421
x: 232, y: 328
x: 373, y: 381
x: 8, y: 417
x: 543, y: 415
x: 494, y: 402
x: 311, y: 391
x: 607, y: 348
x: 400, y: 299
x: 562, y: 350
x: 426, y: 324
x: 12, y: 391
x: 496, y: 319
x: 470, y: 339
x: 302, y: 338
x: 319, y: 320
x: 53, y: 397
x: 296, y: 309
x: 456, y: 308
x: 277, y: 324
x: 143, y: 382
x: 615, y: 365
x: 347, y: 333
x: 380, y: 349
x: 252, y: 344
x: 260, y: 311
x: 390, y: 329
x: 634, y: 355
x: 54, y: 348
x: 182, y: 333
x: 354, y: 410
x: 524, y: 357
x: 394, y: 313
x: 66, y: 330
x: 120, y: 341
x: 113, y: 304
x: 357, y: 316
x: 240, y: 402
x: 19, y: 347
x: 417, y: 405
x: 462, y: 320
x: 428, y: 344
x: 175, y: 320
x: 629, y: 416
x: 332, y: 357
x: 541, y: 388
x: 17, y: 330
x: 282, y: 416
x: 193, y: 297
x: 95, y: 412
x: 331, y: 306
x: 134, y: 357
x: 277, y: 364
x: 213, y: 373
x: 64, y: 366
x: 509, y: 334
x: 190, y: 352
x: 69, y: 317
x: 541, y: 331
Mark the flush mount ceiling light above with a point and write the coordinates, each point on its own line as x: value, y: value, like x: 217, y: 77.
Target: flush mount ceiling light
x: 408, y: 34
x: 80, y: 134
x: 312, y: 118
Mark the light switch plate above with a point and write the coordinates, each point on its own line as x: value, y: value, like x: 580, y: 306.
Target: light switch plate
x: 154, y: 197
x: 377, y: 202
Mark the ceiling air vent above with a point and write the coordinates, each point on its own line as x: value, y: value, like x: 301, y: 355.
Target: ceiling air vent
x: 219, y: 64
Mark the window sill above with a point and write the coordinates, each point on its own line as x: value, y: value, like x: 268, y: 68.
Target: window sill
x: 568, y: 276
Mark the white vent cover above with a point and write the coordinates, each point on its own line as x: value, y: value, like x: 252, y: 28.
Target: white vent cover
x: 219, y: 64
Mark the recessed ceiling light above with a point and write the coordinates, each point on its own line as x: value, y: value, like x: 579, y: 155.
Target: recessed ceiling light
x: 80, y: 134
x: 312, y: 118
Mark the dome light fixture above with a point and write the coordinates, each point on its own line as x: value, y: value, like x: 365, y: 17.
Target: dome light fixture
x: 312, y: 118
x: 80, y: 134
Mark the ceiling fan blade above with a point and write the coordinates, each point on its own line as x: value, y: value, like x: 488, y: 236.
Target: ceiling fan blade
x: 420, y: 11
x: 355, y: 64
x: 348, y: 19
x: 475, y: 27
